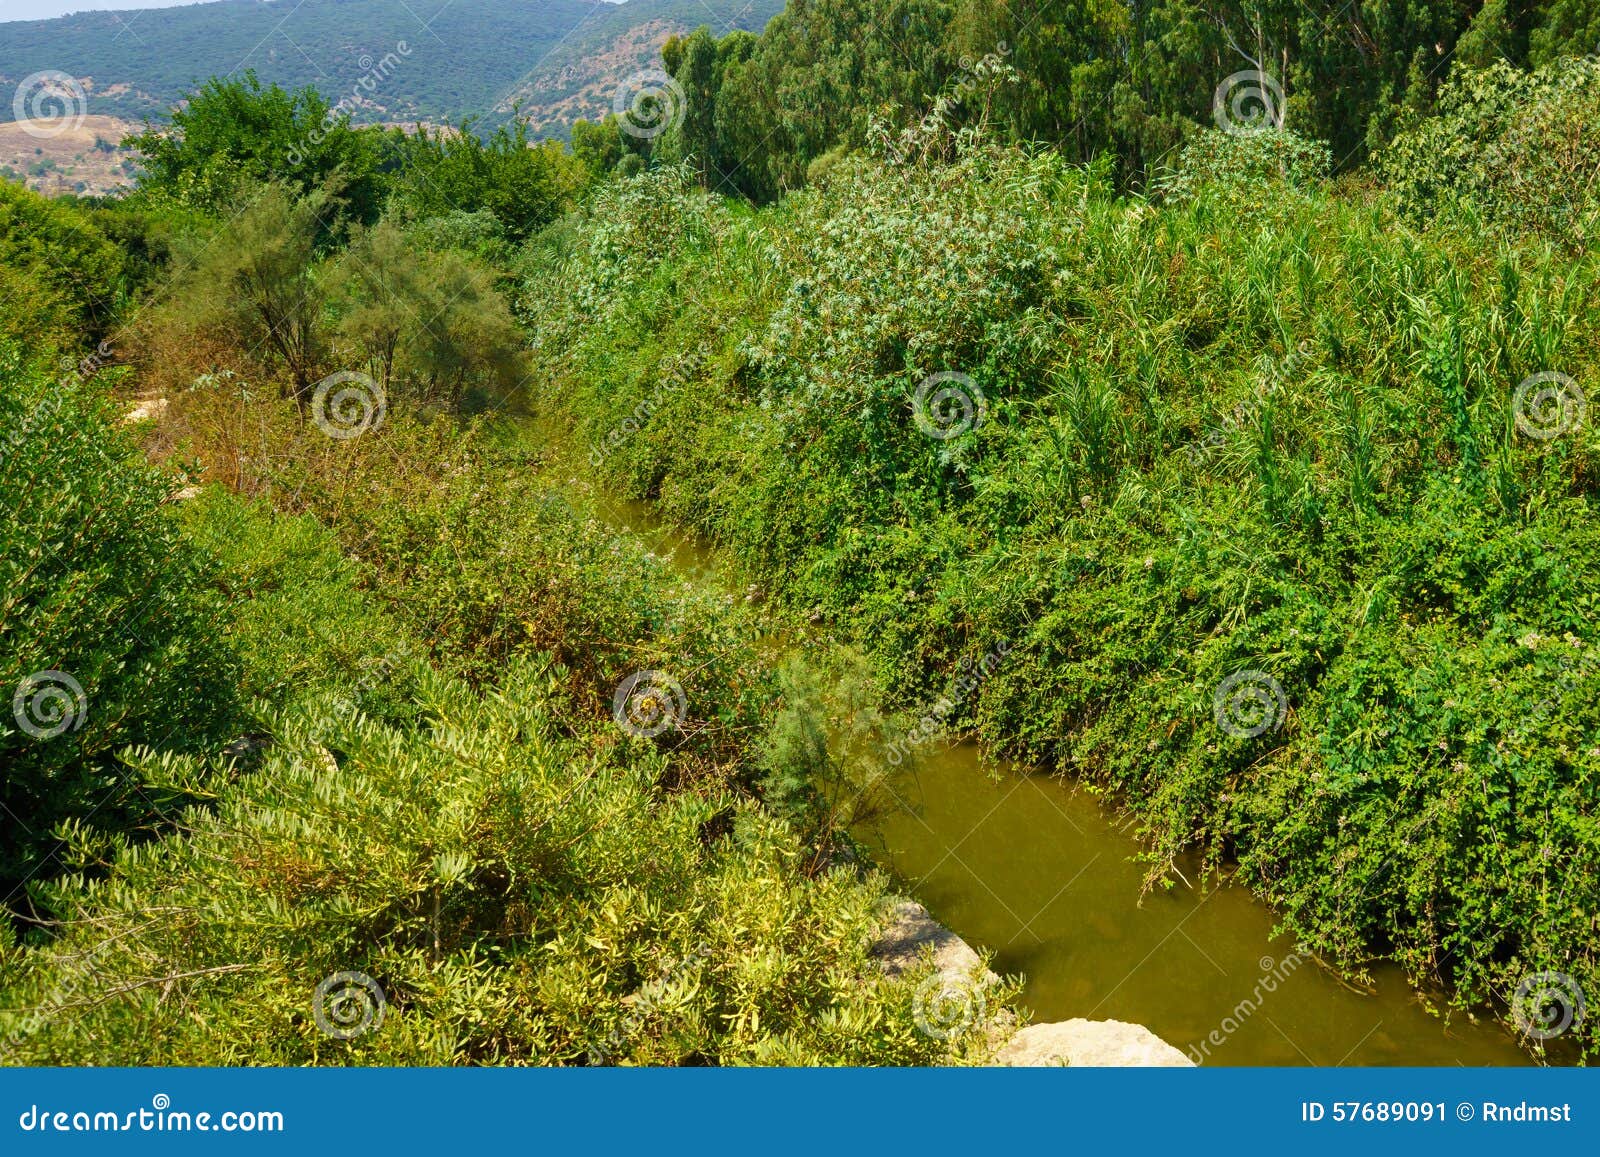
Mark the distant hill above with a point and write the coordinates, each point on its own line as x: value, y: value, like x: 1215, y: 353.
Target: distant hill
x: 579, y: 77
x: 562, y: 58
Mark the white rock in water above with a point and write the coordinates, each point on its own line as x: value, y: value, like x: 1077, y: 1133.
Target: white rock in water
x: 1090, y: 1044
x: 908, y: 929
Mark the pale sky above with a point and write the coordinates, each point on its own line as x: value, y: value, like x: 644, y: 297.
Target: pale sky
x: 44, y: 9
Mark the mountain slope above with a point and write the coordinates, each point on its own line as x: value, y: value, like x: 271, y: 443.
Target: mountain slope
x: 580, y: 76
x: 460, y: 57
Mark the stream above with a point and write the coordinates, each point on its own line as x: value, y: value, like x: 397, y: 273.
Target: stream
x: 1047, y: 877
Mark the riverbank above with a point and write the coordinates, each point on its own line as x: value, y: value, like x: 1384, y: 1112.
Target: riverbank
x: 1051, y: 880
x: 956, y: 992
x: 943, y: 411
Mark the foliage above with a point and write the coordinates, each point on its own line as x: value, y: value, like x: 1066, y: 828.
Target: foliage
x: 255, y: 286
x: 525, y: 882
x: 100, y: 588
x: 1518, y: 151
x: 258, y: 301
x: 1094, y: 80
x: 1258, y: 427
x: 525, y: 186
x: 1264, y: 162
x: 60, y: 276
x: 233, y: 135
x: 427, y: 323
x: 522, y: 895
x: 598, y: 147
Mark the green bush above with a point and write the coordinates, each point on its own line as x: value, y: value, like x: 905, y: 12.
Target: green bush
x: 107, y: 624
x: 520, y: 896
x: 524, y: 184
x: 1252, y: 163
x: 60, y: 276
x: 1516, y: 150
x: 522, y: 882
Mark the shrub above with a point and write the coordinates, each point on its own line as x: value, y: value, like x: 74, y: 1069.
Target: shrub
x: 520, y: 897
x: 1247, y: 163
x: 525, y: 185
x: 106, y: 627
x: 252, y: 290
x: 1516, y: 149
x: 60, y: 276
x: 429, y: 325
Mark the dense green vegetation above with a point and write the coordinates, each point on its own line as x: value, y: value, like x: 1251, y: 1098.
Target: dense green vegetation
x: 1125, y: 82
x: 433, y: 794
x: 1154, y: 413
x: 94, y: 571
x: 1253, y: 426
x: 434, y: 798
x: 60, y: 275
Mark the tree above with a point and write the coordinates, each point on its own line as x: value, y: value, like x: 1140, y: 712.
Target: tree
x: 235, y: 134
x: 256, y: 282
x: 525, y: 185
x: 698, y: 129
x: 597, y: 147
x: 426, y: 323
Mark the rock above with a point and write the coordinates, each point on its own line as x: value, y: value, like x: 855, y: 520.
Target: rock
x: 908, y: 930
x: 146, y: 409
x: 1090, y: 1044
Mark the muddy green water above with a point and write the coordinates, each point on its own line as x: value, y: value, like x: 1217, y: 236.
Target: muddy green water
x: 1041, y: 874
x: 1047, y: 878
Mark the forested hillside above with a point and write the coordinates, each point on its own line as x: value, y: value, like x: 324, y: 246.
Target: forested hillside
x: 1124, y: 82
x: 463, y: 58
x: 1226, y: 453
